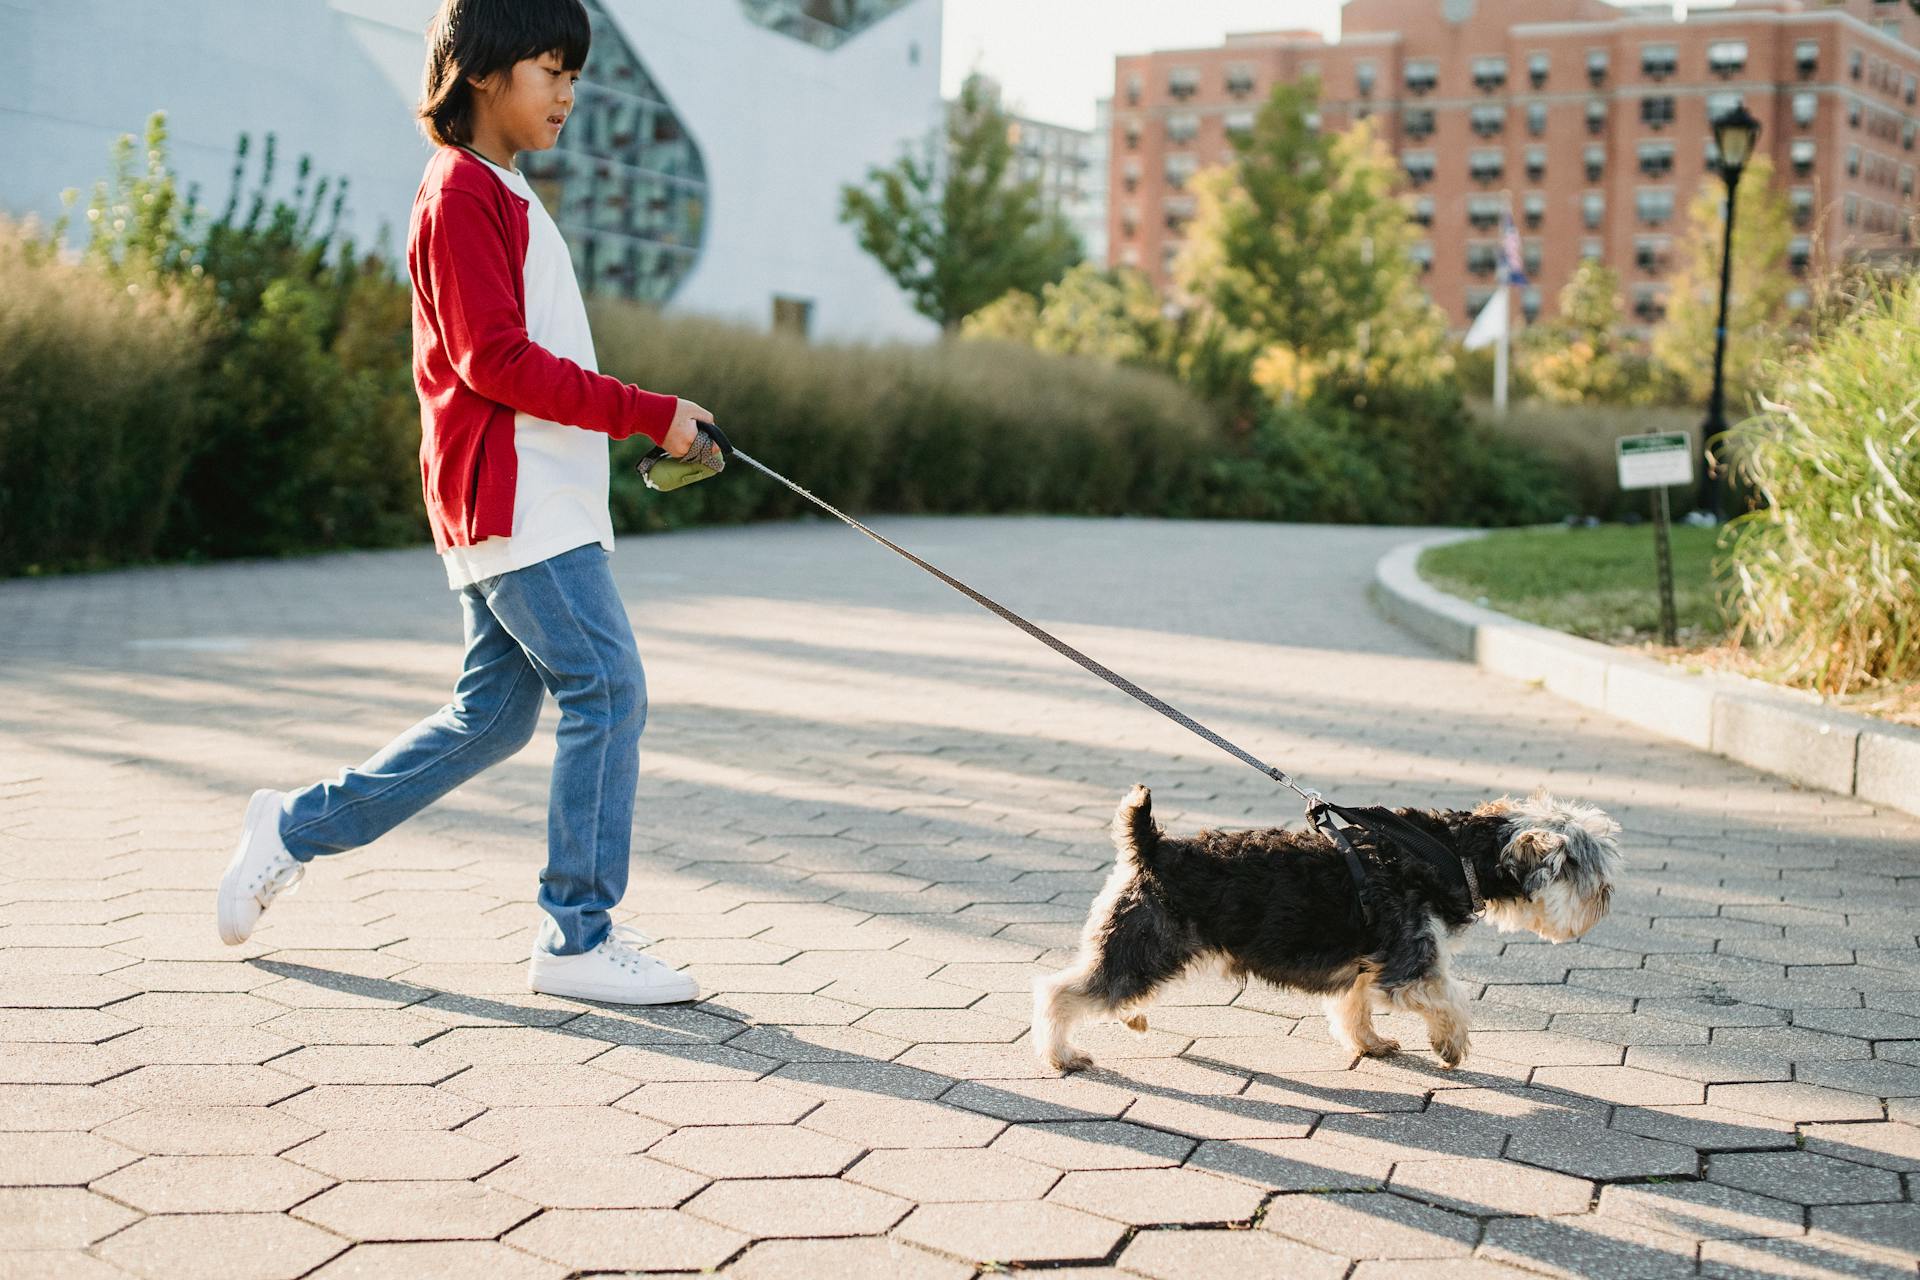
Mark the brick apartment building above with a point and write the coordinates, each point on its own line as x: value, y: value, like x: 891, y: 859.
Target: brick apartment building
x: 1590, y: 121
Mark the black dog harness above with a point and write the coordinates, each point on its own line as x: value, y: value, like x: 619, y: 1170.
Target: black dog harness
x: 1385, y: 826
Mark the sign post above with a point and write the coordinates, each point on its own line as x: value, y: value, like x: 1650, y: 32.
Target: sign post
x: 1655, y: 462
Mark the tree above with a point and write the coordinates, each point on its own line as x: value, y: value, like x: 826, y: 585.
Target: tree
x: 951, y: 227
x: 1582, y: 355
x: 1303, y: 244
x: 1758, y: 315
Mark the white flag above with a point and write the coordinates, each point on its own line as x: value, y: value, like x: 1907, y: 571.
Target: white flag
x: 1491, y: 324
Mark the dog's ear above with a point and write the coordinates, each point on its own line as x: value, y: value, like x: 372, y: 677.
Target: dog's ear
x: 1536, y: 859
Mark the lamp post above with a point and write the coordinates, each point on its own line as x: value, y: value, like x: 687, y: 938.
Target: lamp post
x: 1733, y: 135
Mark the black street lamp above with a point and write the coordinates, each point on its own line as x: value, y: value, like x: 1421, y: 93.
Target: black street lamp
x: 1733, y: 135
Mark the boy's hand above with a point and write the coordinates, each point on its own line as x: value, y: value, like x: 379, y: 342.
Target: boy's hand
x: 687, y: 417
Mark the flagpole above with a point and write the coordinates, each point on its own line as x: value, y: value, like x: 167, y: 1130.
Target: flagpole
x: 1502, y: 353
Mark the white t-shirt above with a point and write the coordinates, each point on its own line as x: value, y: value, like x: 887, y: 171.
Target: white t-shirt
x: 560, y: 491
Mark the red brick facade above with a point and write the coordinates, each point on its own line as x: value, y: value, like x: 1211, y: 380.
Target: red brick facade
x: 1591, y: 121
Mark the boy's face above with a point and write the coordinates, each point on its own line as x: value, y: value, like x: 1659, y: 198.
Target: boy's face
x: 525, y: 107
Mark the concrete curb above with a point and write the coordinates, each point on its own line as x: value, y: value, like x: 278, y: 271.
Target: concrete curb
x: 1772, y: 729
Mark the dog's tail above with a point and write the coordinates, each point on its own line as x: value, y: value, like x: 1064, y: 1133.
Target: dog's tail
x: 1135, y: 835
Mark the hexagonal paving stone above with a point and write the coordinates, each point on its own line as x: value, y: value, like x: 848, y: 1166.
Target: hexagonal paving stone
x: 1628, y: 1086
x: 1802, y: 1177
x: 562, y: 1084
x: 887, y: 1259
x: 415, y: 1211
x: 1808, y: 1259
x: 1894, y: 1228
x: 1294, y: 1164
x: 1701, y: 1210
x: 1188, y: 1255
x: 207, y: 1131
x: 221, y: 1246
x: 902, y: 1122
x: 205, y: 1086
x: 764, y: 1207
x: 58, y: 1159
x: 955, y: 1174
x: 212, y: 1184
x: 1707, y: 1128
x: 1011, y: 1231
x: 56, y: 1218
x: 405, y: 1155
x: 1094, y: 1144
x: 1145, y: 1197
x: 1490, y: 1186
x: 1605, y: 1155
x: 618, y: 1239
x: 1887, y: 1144
x: 1583, y: 1246
x: 380, y: 1106
x: 755, y: 1151
x: 438, y: 1260
x: 1378, y: 1225
x: 1800, y: 1103
x: 564, y: 1130
x: 718, y: 1102
x: 595, y: 1182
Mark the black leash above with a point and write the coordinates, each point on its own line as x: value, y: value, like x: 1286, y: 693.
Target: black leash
x: 1386, y: 826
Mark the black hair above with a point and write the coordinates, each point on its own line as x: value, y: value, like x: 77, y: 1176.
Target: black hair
x: 475, y: 38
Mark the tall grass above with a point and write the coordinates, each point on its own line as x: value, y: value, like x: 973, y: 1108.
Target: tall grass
x: 950, y: 428
x: 98, y: 410
x: 1826, y: 574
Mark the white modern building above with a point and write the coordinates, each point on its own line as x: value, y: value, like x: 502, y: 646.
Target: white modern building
x: 702, y: 168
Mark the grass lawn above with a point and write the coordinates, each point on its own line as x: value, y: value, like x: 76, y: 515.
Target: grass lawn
x: 1600, y: 583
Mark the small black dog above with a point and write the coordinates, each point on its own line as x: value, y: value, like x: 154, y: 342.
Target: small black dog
x: 1281, y: 906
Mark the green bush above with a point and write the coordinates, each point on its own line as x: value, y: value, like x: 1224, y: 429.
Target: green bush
x: 1578, y: 443
x: 1827, y: 572
x: 98, y: 406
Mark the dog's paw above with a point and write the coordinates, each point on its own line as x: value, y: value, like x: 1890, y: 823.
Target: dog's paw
x: 1138, y: 1022
x: 1380, y: 1049
x: 1452, y: 1049
x: 1072, y: 1060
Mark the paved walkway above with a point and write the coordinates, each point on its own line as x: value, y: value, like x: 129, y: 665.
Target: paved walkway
x: 869, y: 815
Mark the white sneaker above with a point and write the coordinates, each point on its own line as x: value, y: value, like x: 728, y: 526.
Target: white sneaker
x: 616, y: 972
x: 261, y: 869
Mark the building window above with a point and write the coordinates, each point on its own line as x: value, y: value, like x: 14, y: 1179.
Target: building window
x: 1422, y: 214
x: 1906, y: 136
x: 1183, y: 83
x: 1536, y: 118
x: 1596, y: 116
x: 792, y: 316
x: 1720, y: 104
x: 1799, y: 254
x: 1801, y: 199
x: 1423, y: 74
x: 1132, y: 134
x: 1596, y: 67
x: 1797, y: 299
x: 1593, y: 210
x: 1648, y: 305
x: 1658, y: 61
x: 1802, y: 153
x: 1805, y: 105
x: 1364, y: 75
x: 1806, y: 58
x: 1488, y: 118
x: 1727, y: 57
x: 1906, y: 179
x: 1534, y: 209
x: 1418, y: 122
x: 1477, y: 299
x: 1422, y: 254
x: 1483, y: 258
x: 1536, y: 163
x: 1486, y: 166
x: 1483, y: 212
x: 1489, y: 73
x: 1653, y: 205
x: 1850, y: 210
x: 1238, y: 124
x: 1711, y: 158
x: 1419, y: 166
x: 1130, y: 176
x: 1240, y: 81
x: 1179, y: 168
x: 1909, y: 91
x: 1531, y: 257
x: 1854, y: 111
x: 1596, y: 161
x: 1656, y: 159
x: 1178, y: 211
x: 1183, y: 126
x: 1591, y: 250
x: 1854, y: 62
x: 1657, y: 112
x: 1530, y: 303
x: 1650, y: 254
x: 1537, y: 64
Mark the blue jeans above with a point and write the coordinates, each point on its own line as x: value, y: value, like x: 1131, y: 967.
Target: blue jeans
x: 558, y: 625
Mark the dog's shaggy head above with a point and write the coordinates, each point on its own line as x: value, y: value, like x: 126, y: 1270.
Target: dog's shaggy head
x: 1564, y: 856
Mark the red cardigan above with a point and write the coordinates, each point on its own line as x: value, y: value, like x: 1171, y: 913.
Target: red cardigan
x: 473, y: 363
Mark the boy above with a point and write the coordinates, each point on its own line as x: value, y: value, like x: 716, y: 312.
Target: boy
x: 515, y: 420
